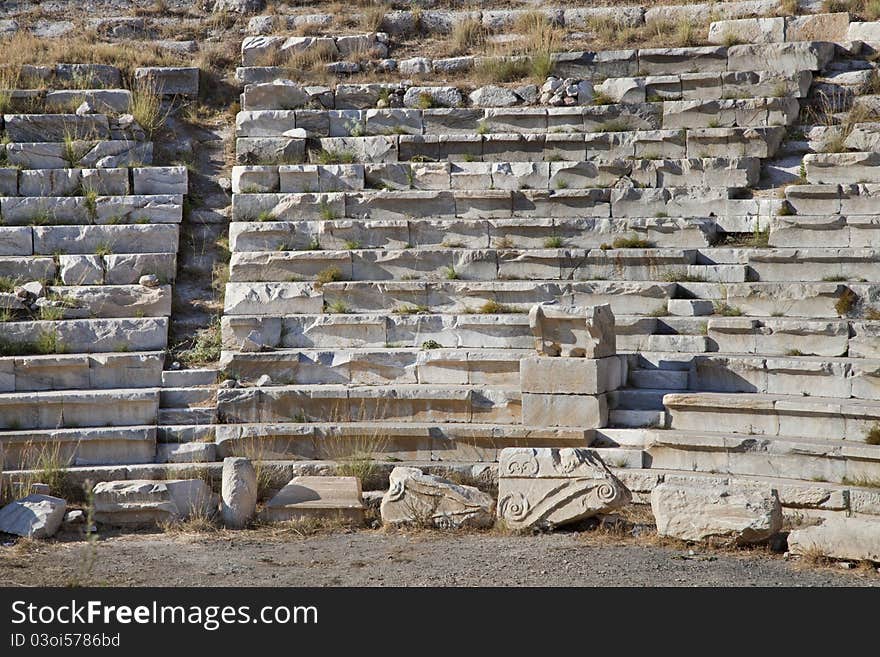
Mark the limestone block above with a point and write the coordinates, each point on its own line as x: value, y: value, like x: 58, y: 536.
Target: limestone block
x: 262, y: 179
x: 519, y: 175
x: 55, y: 127
x: 736, y: 513
x: 818, y: 27
x: 420, y: 97
x: 193, y: 452
x: 48, y: 182
x: 417, y: 498
x: 622, y: 90
x: 171, y: 80
x: 549, y: 487
x: 748, y: 30
x: 564, y: 410
x: 239, y: 492
x: 275, y: 95
x: 781, y: 57
x: 159, y: 180
x: 668, y: 61
x: 839, y: 538
x: 452, y: 120
x: 575, y: 376
x: 35, y: 516
x: 121, y: 239
x: 127, y: 268
x: 143, y: 502
x: 493, y: 96
x: 81, y: 269
x: 690, y: 307
x: 114, y: 153
x: 574, y: 332
x: 108, y: 181
x: 317, y: 497
x: 272, y: 299
x: 394, y: 121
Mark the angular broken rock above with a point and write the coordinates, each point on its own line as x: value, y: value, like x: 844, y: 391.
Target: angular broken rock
x: 735, y: 513
x: 35, y: 516
x: 546, y: 487
x: 418, y: 498
x: 579, y: 332
x: 333, y: 498
x: 839, y: 538
x: 147, y: 502
x: 239, y: 493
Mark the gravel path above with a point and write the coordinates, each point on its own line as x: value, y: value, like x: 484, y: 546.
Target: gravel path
x: 419, y: 558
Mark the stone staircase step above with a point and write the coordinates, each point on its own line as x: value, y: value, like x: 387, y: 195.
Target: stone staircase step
x: 182, y: 397
x: 637, y: 399
x: 185, y: 433
x: 187, y: 415
x: 659, y: 379
x: 189, y: 378
x: 629, y: 418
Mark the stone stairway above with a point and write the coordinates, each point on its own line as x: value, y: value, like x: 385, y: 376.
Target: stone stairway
x: 89, y: 245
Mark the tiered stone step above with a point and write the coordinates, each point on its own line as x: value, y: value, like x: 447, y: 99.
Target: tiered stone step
x: 187, y: 416
x: 825, y: 418
x: 387, y: 440
x: 808, y: 459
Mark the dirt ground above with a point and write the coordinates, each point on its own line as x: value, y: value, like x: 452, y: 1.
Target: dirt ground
x: 338, y: 557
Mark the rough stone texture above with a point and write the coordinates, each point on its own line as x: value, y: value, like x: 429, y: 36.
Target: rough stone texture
x: 549, y: 487
x: 336, y: 498
x: 34, y: 516
x: 736, y: 513
x: 417, y: 498
x: 575, y: 332
x: 143, y: 502
x: 239, y: 492
x: 839, y: 538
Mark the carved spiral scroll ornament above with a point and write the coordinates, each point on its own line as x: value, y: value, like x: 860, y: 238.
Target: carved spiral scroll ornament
x: 514, y: 507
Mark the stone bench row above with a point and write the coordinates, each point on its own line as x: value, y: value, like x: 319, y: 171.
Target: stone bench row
x: 412, y: 403
x: 40, y: 211
x: 513, y: 147
x: 262, y: 49
x: 801, y: 376
x: 81, y: 371
x: 70, y: 75
x: 77, y: 154
x: 841, y: 378
x: 833, y: 199
x: 117, y: 181
x: 443, y: 21
x: 26, y: 128
x: 809, y: 300
x: 552, y: 259
x: 437, y: 176
x: 28, y: 449
x: 498, y: 204
x: 856, y: 230
x: 105, y: 101
x: 84, y: 336
x: 406, y: 441
x: 636, y: 333
x: 778, y: 29
x: 97, y: 301
x: 836, y: 461
x: 780, y: 57
x: 88, y: 240
x: 78, y: 408
x: 520, y: 233
x: 842, y: 168
x: 280, y: 93
x: 667, y: 115
x: 109, y: 269
x: 825, y: 418
x: 464, y: 264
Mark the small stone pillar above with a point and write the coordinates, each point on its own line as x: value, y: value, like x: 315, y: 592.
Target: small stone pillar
x: 566, y: 384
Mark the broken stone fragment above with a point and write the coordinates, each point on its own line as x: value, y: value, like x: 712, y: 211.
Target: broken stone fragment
x: 418, y: 498
x: 35, y: 516
x: 239, y: 494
